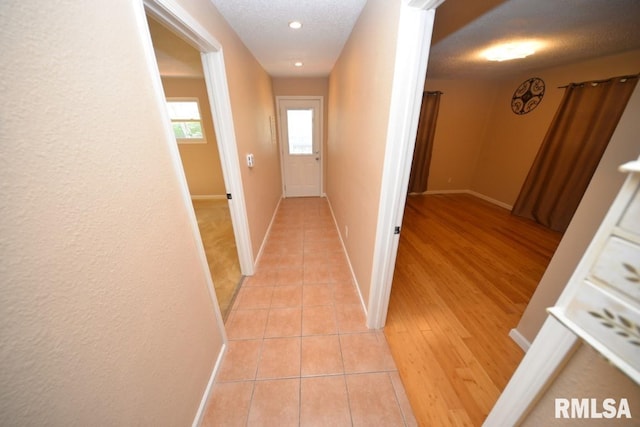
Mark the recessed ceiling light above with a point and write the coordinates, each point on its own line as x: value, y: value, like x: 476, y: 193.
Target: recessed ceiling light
x: 298, y: 64
x: 508, y: 51
x: 296, y: 25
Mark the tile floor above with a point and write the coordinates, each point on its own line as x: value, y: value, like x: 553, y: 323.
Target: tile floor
x: 299, y: 353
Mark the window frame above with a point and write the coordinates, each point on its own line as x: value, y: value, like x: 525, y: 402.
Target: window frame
x: 179, y: 140
x: 310, y: 136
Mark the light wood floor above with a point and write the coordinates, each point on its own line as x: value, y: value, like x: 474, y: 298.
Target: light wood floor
x: 216, y: 230
x: 466, y: 270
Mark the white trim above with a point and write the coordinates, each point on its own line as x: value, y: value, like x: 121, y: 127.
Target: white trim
x: 519, y: 339
x: 630, y: 167
x: 181, y: 22
x: 186, y: 26
x: 346, y: 254
x: 412, y: 51
x: 320, y: 130
x: 208, y: 196
x: 207, y: 391
x: 473, y: 193
x: 490, y: 200
x: 548, y: 353
x: 266, y: 235
x: 218, y: 92
x: 187, y: 141
x: 428, y: 192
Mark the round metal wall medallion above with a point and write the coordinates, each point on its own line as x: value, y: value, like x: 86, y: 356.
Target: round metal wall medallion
x: 528, y: 95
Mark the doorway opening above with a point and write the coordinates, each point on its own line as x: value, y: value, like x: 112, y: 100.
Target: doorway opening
x: 300, y: 125
x: 182, y: 76
x: 211, y: 61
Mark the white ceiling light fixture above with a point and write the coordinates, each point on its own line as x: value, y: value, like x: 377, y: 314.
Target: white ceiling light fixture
x: 298, y: 64
x: 512, y: 50
x: 296, y: 25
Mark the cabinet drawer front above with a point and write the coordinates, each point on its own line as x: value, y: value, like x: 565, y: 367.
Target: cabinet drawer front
x: 618, y: 265
x: 611, y: 321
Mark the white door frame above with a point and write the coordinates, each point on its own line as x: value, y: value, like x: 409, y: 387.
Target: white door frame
x: 321, y: 136
x: 182, y: 23
x: 412, y: 52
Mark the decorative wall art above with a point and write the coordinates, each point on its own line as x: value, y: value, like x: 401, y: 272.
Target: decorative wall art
x: 527, y: 96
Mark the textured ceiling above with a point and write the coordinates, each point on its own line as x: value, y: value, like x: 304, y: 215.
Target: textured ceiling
x: 571, y: 30
x: 263, y: 27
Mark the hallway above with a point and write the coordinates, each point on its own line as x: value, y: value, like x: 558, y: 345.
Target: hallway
x: 299, y: 352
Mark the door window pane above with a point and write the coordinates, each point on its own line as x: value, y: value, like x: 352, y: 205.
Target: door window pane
x: 300, y: 131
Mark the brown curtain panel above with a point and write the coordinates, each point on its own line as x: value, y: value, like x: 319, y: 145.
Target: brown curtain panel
x: 424, y: 142
x: 568, y: 157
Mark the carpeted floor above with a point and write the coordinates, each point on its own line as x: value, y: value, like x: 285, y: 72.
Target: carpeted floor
x: 214, y: 221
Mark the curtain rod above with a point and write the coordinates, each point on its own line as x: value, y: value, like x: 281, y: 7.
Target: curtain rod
x: 595, y: 82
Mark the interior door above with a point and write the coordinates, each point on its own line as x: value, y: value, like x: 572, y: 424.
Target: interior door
x: 301, y: 148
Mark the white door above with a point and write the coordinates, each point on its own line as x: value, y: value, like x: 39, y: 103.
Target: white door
x: 301, y: 148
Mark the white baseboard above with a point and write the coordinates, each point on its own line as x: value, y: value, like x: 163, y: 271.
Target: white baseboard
x: 208, y: 196
x: 443, y: 192
x: 207, y: 391
x: 344, y: 249
x: 471, y: 192
x: 266, y: 235
x: 519, y: 339
x: 490, y: 200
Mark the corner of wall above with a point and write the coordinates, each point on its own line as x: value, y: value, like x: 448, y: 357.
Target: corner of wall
x: 519, y: 339
x: 266, y: 234
x: 344, y: 249
x: 207, y: 391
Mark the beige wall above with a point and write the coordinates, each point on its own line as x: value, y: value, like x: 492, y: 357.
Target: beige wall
x: 456, y: 147
x: 481, y: 145
x: 512, y: 142
x: 587, y: 375
x: 359, y: 97
x: 604, y: 186
x: 252, y: 103
x: 201, y: 162
x: 313, y: 86
x: 106, y: 313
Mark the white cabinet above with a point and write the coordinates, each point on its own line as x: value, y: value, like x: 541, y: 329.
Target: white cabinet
x: 602, y: 301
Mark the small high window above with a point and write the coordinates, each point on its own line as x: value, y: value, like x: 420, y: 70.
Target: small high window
x: 186, y: 120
